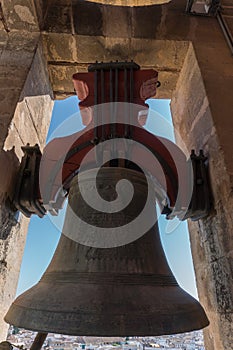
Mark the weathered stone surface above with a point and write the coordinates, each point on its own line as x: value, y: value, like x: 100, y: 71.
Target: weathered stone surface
x: 34, y: 110
x: 7, y: 100
x: 8, y: 103
x: 145, y: 21
x: 37, y: 82
x: 19, y: 49
x: 23, y: 120
x: 211, y: 238
x: 116, y: 22
x: 60, y: 47
x: 76, y: 52
x: 12, y: 76
x: 61, y: 78
x: 11, y: 255
x: 11, y: 236
x: 29, y: 124
x: 168, y: 83
x: 87, y: 18
x: 58, y: 17
x: 167, y: 55
x: 9, y: 162
x: 20, y: 14
x: 3, y: 36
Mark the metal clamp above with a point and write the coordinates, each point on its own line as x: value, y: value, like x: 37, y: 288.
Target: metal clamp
x: 200, y: 204
x: 27, y: 196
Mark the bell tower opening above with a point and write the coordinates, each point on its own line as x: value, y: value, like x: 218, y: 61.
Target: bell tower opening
x: 195, y: 66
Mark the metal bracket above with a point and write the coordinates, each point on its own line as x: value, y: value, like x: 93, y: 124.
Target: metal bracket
x: 28, y: 199
x: 98, y: 66
x: 200, y: 204
x: 27, y: 196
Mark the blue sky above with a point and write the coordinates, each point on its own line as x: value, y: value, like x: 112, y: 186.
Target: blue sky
x: 43, y: 235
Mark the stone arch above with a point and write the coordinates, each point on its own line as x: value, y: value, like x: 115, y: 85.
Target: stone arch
x: 131, y: 2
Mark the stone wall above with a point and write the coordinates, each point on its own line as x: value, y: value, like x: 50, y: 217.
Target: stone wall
x: 211, y: 238
x: 25, y: 110
x: 29, y: 124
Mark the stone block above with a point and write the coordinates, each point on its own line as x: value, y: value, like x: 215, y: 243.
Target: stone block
x: 58, y: 17
x: 3, y: 132
x: 40, y: 111
x: 117, y: 49
x: 14, y: 139
x: 201, y: 34
x: 201, y: 129
x: 146, y: 21
x: 82, y: 49
x: 224, y: 289
x: 12, y: 77
x: 87, y: 18
x: 20, y: 48
x: 11, y: 252
x: 213, y: 333
x: 117, y: 22
x: 8, y: 100
x: 220, y: 99
x: 215, y: 278
x: 197, y: 239
x: 61, y: 78
x: 37, y: 82
x: 190, y: 105
x: 9, y: 162
x: 168, y: 82
x: 60, y: 47
x: 176, y: 24
x: 20, y: 15
x: 164, y: 54
x: 3, y: 36
x: 226, y: 321
x: 34, y: 110
x: 90, y: 49
x: 22, y: 122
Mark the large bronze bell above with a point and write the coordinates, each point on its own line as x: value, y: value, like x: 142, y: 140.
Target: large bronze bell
x: 120, y: 291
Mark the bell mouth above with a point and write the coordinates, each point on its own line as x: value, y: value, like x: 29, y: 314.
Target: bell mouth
x: 112, y: 310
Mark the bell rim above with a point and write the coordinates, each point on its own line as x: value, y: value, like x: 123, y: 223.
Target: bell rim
x: 155, y: 324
